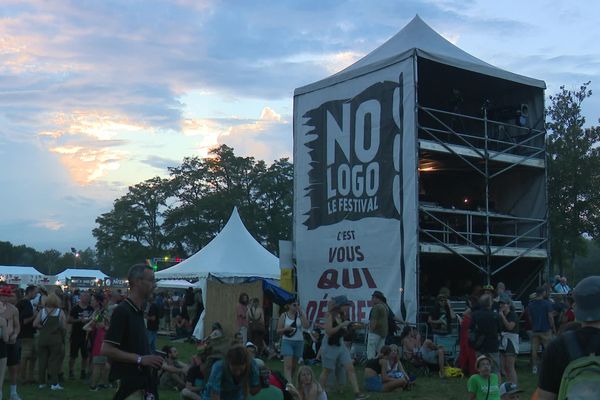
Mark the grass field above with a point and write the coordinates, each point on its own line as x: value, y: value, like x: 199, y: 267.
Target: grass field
x: 426, y: 388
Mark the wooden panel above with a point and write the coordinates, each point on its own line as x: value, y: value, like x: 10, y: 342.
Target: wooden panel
x: 221, y: 302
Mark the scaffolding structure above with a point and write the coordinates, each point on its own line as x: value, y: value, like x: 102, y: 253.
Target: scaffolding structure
x: 482, y: 237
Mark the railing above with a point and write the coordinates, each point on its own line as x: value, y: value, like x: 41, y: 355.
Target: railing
x: 468, y: 228
x: 448, y: 128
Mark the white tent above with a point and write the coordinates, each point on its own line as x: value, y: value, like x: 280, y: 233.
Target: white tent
x: 19, y: 275
x: 80, y: 273
x: 232, y: 253
x: 174, y: 284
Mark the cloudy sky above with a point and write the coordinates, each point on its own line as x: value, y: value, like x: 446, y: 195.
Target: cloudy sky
x: 99, y: 95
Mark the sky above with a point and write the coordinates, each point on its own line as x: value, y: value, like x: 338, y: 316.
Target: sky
x: 96, y: 96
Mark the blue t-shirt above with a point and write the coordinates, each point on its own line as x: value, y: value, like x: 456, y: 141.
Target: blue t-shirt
x: 221, y: 382
x: 538, y: 312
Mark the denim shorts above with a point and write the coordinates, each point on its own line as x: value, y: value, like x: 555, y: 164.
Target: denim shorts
x: 374, y: 384
x: 292, y: 348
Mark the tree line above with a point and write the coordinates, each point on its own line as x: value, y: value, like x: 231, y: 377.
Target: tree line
x: 178, y: 215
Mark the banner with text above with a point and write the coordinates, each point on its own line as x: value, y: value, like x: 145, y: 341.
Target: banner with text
x: 355, y: 200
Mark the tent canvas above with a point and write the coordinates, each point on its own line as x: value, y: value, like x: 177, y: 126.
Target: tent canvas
x: 174, y: 284
x: 23, y: 275
x: 80, y: 273
x: 232, y: 253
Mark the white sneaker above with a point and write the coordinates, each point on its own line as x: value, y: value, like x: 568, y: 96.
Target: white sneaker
x: 41, y: 386
x: 56, y: 387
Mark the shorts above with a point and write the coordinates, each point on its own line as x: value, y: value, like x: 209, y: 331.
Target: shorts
x: 77, y: 345
x: 13, y: 354
x: 28, y: 349
x: 2, y: 349
x: 374, y: 384
x: 334, y: 355
x: 99, y: 360
x: 509, y: 344
x: 292, y: 348
x: 428, y: 355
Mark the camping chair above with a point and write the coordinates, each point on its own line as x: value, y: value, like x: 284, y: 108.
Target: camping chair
x: 450, y: 343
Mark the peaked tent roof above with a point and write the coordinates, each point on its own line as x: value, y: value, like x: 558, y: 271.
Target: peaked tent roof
x: 81, y: 273
x: 417, y: 37
x: 232, y: 253
x: 18, y: 270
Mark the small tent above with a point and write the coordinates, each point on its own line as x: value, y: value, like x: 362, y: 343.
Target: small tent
x: 232, y: 253
x: 20, y: 275
x: 85, y: 275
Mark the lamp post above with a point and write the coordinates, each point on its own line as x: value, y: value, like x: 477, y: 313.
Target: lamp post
x: 75, y: 256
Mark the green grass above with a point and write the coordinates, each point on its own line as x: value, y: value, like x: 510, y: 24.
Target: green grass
x: 426, y: 388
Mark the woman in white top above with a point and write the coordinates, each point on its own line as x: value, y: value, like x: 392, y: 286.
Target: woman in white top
x: 290, y: 325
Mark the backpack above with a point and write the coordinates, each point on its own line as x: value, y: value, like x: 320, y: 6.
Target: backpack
x: 581, y: 378
x: 392, y: 327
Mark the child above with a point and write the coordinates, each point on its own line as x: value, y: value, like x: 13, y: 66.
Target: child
x: 484, y: 385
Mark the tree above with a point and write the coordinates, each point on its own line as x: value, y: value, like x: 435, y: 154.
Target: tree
x: 573, y: 176
x: 132, y: 231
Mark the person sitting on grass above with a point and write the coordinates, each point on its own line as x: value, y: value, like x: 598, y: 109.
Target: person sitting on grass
x: 233, y: 378
x: 377, y: 378
x: 307, y: 387
x: 267, y: 391
x: 427, y: 353
x: 174, y: 371
x: 484, y: 385
x: 194, y: 379
x: 509, y: 391
x: 396, y: 369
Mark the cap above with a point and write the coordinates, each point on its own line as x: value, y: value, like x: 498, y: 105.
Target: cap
x: 379, y: 295
x: 250, y: 344
x: 509, y: 388
x: 481, y: 358
x: 341, y: 301
x: 488, y: 287
x: 587, y: 299
x: 6, y: 291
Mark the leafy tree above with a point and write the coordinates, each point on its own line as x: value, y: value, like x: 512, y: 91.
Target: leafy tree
x: 573, y: 176
x: 132, y: 231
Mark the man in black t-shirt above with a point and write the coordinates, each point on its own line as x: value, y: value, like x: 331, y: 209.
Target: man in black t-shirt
x: 27, y: 314
x: 194, y: 380
x: 79, y: 316
x: 556, y: 357
x: 486, y: 323
x: 126, y: 344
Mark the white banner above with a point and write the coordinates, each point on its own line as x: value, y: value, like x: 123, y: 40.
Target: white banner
x: 355, y: 226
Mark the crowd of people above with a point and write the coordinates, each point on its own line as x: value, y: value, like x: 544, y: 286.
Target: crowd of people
x: 115, y: 337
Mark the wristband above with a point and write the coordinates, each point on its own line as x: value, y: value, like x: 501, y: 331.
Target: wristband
x: 139, y: 360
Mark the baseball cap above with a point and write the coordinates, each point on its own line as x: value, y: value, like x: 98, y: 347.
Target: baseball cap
x: 250, y: 344
x: 509, y: 388
x: 587, y: 299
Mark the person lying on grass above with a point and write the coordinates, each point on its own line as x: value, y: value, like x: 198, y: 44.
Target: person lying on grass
x: 377, y: 378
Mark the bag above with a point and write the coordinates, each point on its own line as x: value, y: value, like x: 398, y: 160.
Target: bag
x: 292, y: 325
x: 452, y: 372
x: 392, y: 327
x: 581, y: 378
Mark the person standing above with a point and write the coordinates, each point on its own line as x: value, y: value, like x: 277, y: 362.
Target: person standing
x: 190, y: 303
x: 126, y: 344
x: 13, y: 350
x: 3, y: 341
x: 485, y: 327
x: 540, y: 312
x: 509, y: 338
x: 27, y: 314
x: 256, y: 325
x: 557, y: 356
x: 241, y: 313
x: 152, y: 322
x: 290, y: 325
x: 79, y: 316
x: 333, y: 350
x: 51, y: 324
x: 378, y: 325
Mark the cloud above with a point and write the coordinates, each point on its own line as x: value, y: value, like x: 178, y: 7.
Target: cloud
x: 267, y: 138
x: 50, y: 225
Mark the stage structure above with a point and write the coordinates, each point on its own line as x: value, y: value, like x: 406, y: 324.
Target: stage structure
x: 417, y: 167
